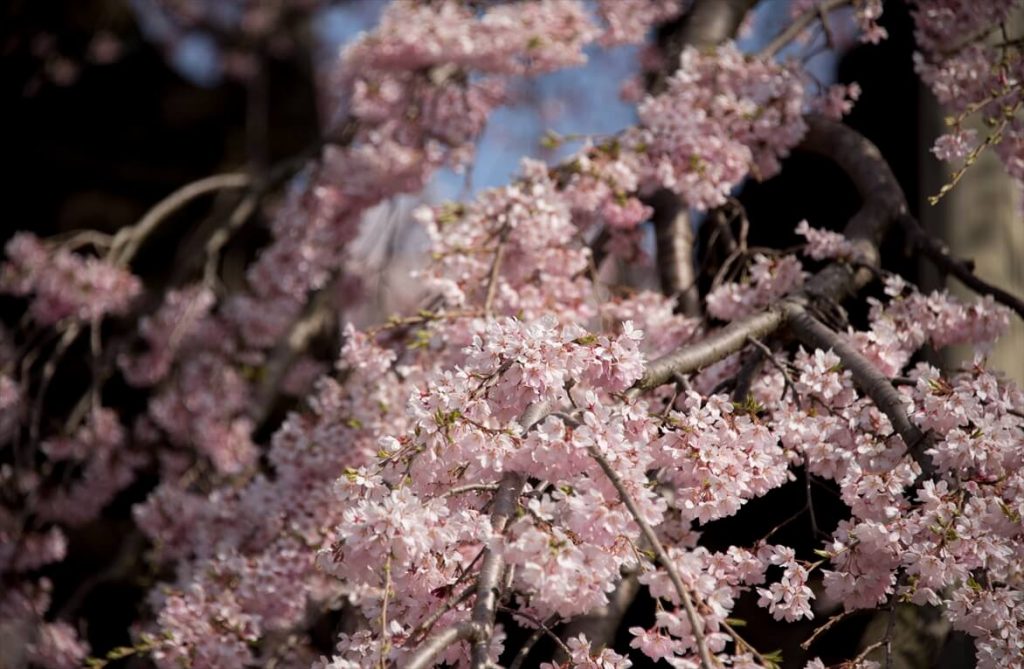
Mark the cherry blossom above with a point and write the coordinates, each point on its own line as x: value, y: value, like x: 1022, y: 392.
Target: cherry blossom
x: 500, y: 456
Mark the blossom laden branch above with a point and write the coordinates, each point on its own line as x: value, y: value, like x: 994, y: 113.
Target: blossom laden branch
x: 481, y: 626
x: 872, y: 382
x: 696, y: 622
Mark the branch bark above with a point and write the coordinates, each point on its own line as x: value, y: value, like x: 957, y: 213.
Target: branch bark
x: 488, y: 583
x: 707, y: 24
x: 673, y: 233
x: 799, y: 24
x: 438, y: 643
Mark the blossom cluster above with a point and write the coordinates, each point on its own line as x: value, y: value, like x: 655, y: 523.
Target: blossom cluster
x: 722, y: 117
x: 910, y: 319
x: 64, y: 285
x: 769, y: 279
x: 978, y: 75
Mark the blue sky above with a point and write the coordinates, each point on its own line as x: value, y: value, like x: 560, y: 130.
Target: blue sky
x: 578, y: 101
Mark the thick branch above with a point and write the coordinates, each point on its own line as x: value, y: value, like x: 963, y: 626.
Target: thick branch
x: 674, y: 238
x: 488, y: 583
x: 717, y: 346
x: 707, y: 24
x: 424, y: 656
x: 488, y: 589
x: 711, y: 22
x: 860, y: 159
x: 866, y: 376
x: 818, y: 11
x: 600, y: 625
x: 883, y: 203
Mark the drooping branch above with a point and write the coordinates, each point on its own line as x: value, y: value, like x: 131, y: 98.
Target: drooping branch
x: 480, y: 629
x: 707, y: 24
x: 882, y: 198
x: 883, y: 203
x: 963, y: 270
x: 866, y: 376
x: 694, y: 618
x: 128, y: 240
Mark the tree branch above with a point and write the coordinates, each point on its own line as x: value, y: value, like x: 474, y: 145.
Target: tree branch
x: 883, y: 203
x: 128, y: 240
x: 600, y: 626
x: 711, y: 22
x: 715, y: 347
x: 673, y: 234
x: 696, y: 622
x: 480, y: 629
x: 866, y: 376
x: 440, y: 642
x: 963, y: 270
x: 707, y: 24
x: 818, y: 11
x: 487, y: 588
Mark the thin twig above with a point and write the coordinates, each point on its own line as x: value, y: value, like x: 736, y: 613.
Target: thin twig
x: 890, y: 626
x: 543, y: 626
x: 427, y: 624
x: 696, y: 622
x: 473, y: 487
x: 824, y: 628
x: 385, y: 640
x: 492, y: 279
x: 128, y: 240
x: 742, y: 644
x: 810, y: 499
x: 770, y: 355
x: 49, y: 369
